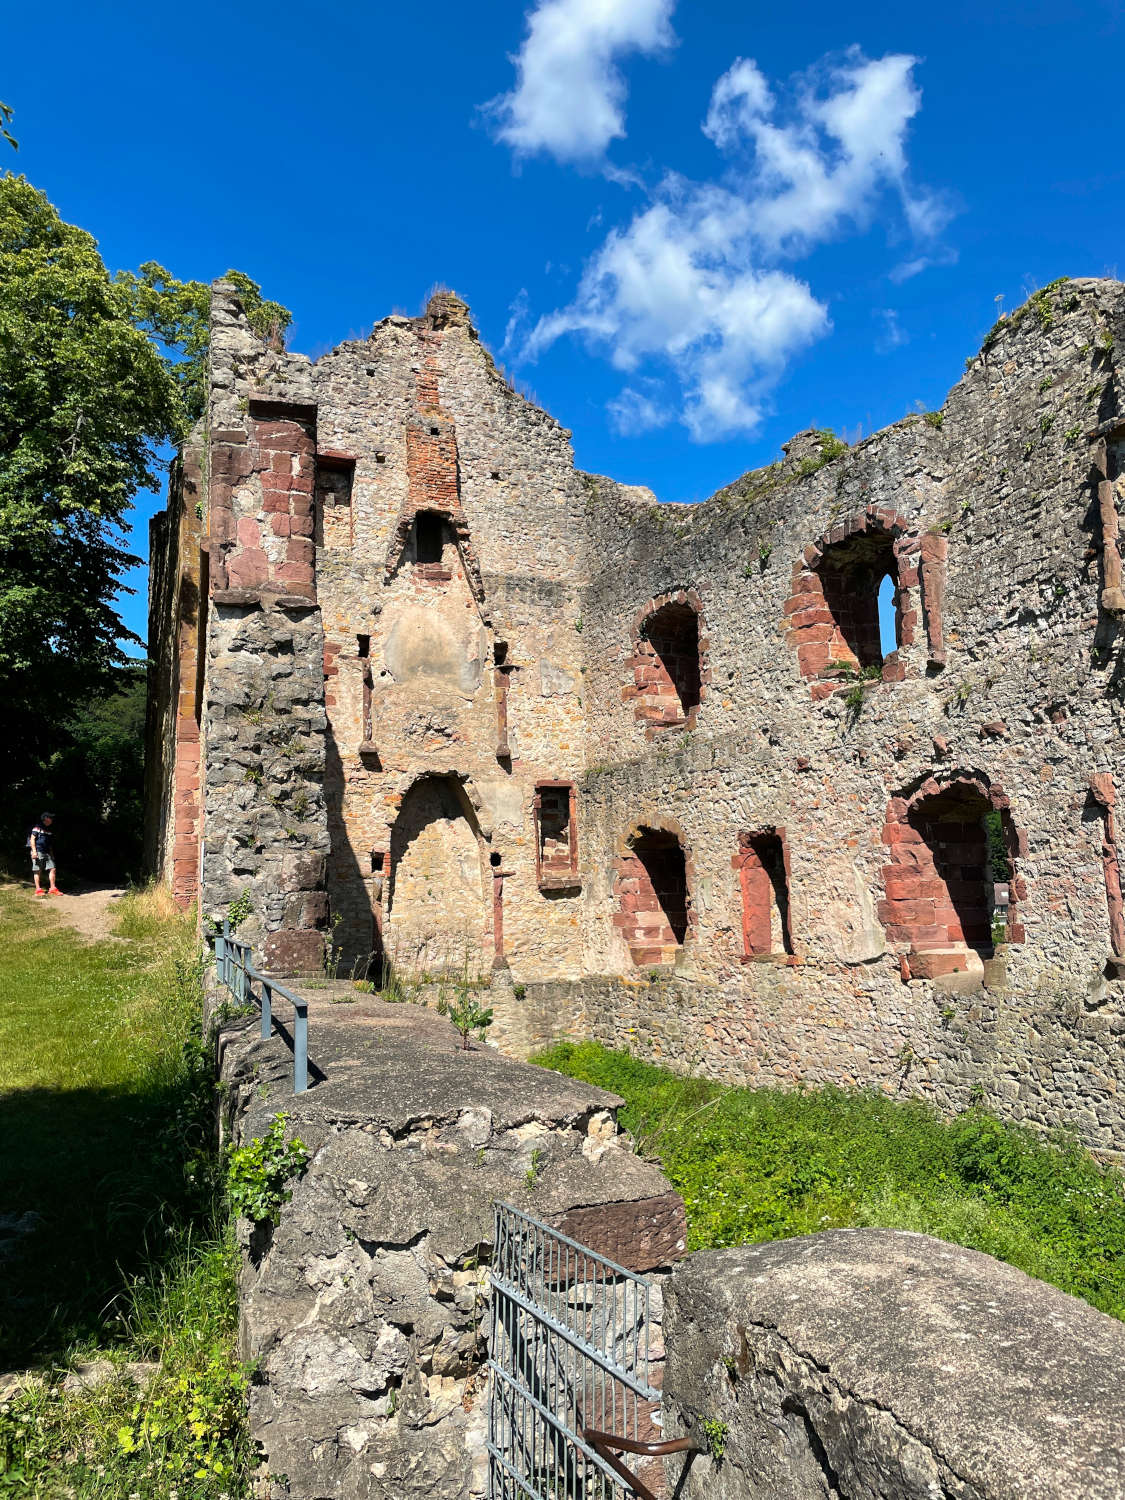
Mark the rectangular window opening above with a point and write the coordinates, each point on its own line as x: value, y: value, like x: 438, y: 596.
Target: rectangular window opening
x: 363, y: 646
x: 429, y: 537
x: 763, y: 864
x: 556, y: 837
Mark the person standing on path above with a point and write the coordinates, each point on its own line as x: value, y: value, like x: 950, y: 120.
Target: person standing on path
x: 41, y: 842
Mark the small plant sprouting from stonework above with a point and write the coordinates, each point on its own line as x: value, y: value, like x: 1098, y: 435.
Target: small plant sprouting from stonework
x: 578, y: 625
x: 1045, y: 424
x: 716, y: 1433
x: 1071, y: 436
x: 1045, y: 384
x: 463, y: 1008
x: 238, y: 911
x: 519, y: 990
x: 258, y: 1173
x: 934, y: 419
x: 764, y: 551
x: 531, y: 1176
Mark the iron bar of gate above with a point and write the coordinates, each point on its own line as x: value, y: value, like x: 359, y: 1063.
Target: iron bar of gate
x: 234, y: 967
x: 569, y: 1366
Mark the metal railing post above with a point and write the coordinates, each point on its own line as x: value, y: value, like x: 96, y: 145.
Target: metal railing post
x: 267, y: 1009
x: 226, y: 952
x: 300, y: 1046
x: 220, y: 955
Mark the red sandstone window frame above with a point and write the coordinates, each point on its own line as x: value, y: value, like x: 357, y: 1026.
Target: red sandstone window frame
x: 549, y: 876
x: 757, y: 890
x: 641, y: 662
x: 825, y: 657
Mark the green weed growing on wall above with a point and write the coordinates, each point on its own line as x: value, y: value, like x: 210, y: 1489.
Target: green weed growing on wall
x: 258, y: 1173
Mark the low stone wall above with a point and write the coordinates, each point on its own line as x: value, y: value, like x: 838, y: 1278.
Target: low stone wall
x: 1039, y: 1060
x: 366, y: 1308
x: 877, y: 1365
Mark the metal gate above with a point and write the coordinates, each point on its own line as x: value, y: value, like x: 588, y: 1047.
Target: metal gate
x: 569, y: 1362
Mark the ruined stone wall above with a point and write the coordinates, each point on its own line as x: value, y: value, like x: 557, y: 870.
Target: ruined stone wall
x: 1008, y: 680
x: 466, y: 672
x: 263, y: 722
x: 366, y: 1310
x: 648, y: 762
x: 177, y: 619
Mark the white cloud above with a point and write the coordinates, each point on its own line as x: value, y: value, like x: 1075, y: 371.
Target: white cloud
x: 569, y: 93
x: 892, y: 335
x: 634, y: 411
x: 695, y: 279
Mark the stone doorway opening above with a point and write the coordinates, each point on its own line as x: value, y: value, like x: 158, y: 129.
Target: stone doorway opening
x: 653, y: 900
x: 437, y: 914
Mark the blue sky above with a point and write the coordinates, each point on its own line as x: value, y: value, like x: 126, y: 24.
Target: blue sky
x: 688, y: 229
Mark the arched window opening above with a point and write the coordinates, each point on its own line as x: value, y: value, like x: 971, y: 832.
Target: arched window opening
x: 667, y: 670
x: 851, y: 575
x: 887, y: 603
x: 652, y: 897
x: 951, y: 879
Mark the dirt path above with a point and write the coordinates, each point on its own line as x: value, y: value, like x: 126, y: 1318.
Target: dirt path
x: 91, y: 913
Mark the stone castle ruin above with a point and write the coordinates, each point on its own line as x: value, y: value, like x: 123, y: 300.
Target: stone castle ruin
x: 434, y: 698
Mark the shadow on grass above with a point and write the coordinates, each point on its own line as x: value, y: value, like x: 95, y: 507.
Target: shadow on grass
x: 94, y: 1182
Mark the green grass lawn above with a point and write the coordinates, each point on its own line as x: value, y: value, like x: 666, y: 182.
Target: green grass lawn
x: 106, y: 1103
x: 762, y: 1164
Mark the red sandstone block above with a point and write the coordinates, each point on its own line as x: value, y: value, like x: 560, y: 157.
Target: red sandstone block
x: 296, y: 574
x: 300, y: 550
x: 812, y: 658
x: 931, y: 964
x: 907, y: 913
x: 273, y: 504
x: 905, y: 885
x: 248, y: 570
x: 249, y: 533
x: 187, y: 734
x: 901, y: 833
x: 822, y: 690
x: 894, y: 671
x: 907, y: 577
x: 816, y: 614
x: 279, y: 525
x: 822, y: 632
x: 807, y: 583
x: 301, y: 525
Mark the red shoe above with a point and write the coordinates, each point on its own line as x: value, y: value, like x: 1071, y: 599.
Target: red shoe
x: 54, y: 891
x: 40, y: 893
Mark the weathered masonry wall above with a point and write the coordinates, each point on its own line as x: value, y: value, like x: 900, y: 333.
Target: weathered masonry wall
x: 366, y: 1310
x: 888, y: 1366
x: 651, y: 765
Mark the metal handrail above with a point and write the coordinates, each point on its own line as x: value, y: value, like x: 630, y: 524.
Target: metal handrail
x: 604, y: 1443
x: 234, y: 967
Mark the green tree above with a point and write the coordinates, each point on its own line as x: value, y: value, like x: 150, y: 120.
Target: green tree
x: 84, y: 401
x: 177, y: 314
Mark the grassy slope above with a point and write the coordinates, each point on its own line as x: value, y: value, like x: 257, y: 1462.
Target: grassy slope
x: 106, y: 1098
x: 760, y: 1164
